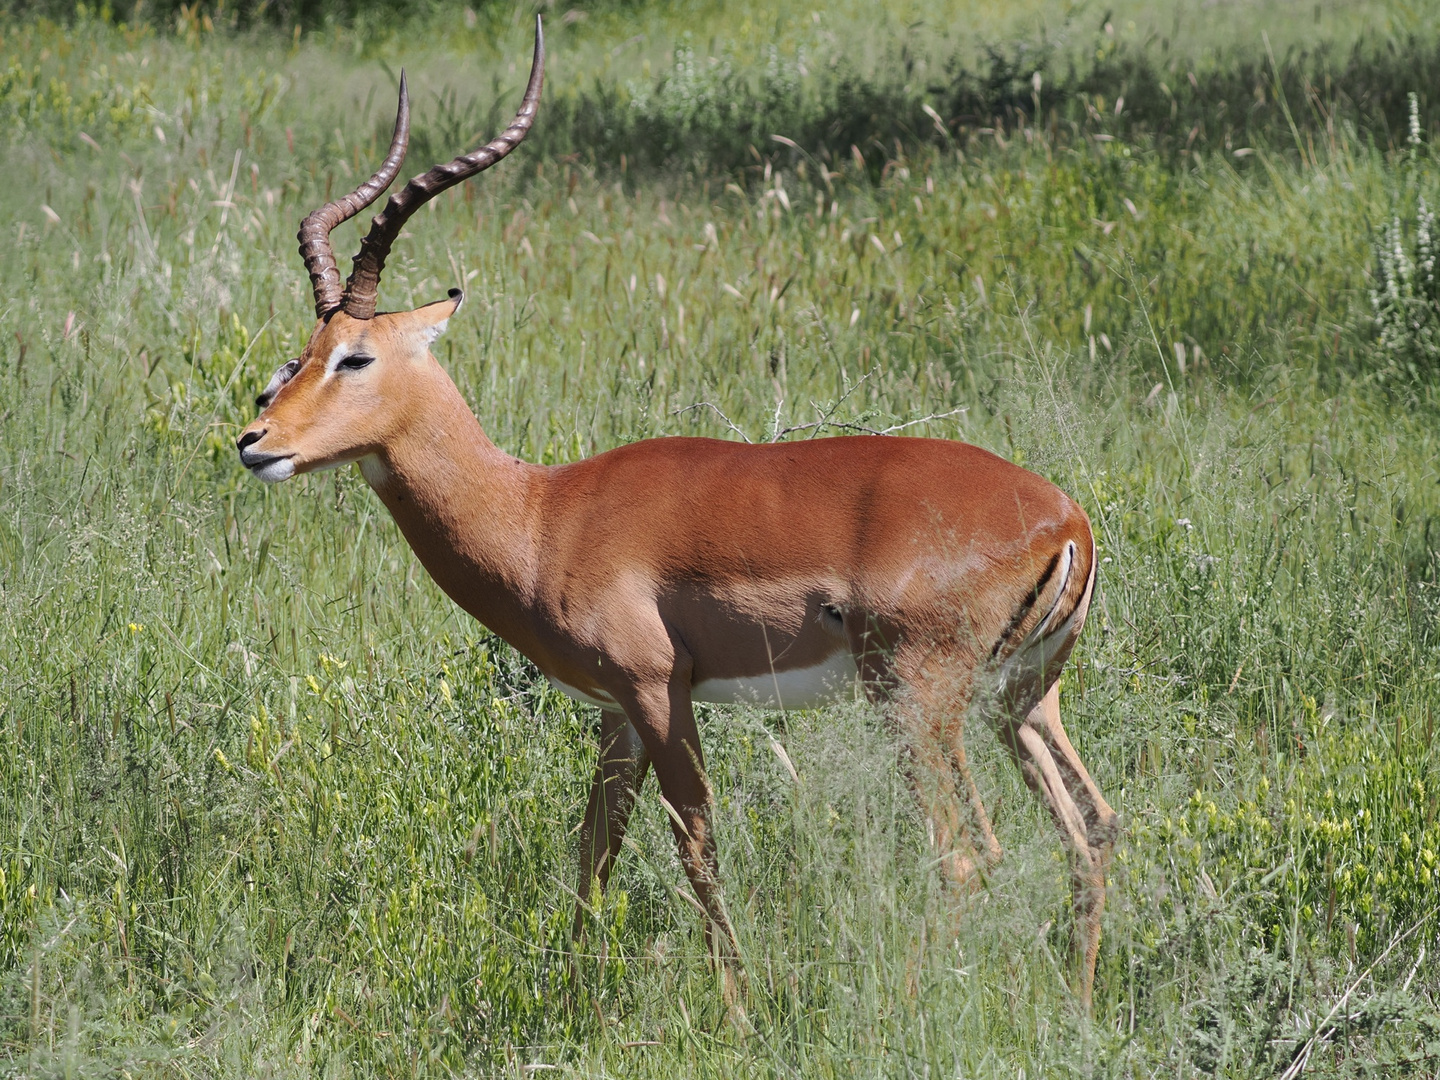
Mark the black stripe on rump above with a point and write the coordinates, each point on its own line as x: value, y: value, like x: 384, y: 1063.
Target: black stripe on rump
x: 1026, y: 606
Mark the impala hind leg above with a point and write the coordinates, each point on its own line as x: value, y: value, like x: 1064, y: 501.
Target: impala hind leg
x: 1087, y: 825
x: 931, y: 715
x: 619, y: 773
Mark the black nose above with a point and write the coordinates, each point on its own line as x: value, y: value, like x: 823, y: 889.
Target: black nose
x: 249, y: 438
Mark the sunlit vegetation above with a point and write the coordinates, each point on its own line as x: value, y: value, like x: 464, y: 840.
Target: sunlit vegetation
x: 272, y: 806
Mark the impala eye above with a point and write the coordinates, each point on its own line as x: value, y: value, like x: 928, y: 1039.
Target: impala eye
x: 356, y: 361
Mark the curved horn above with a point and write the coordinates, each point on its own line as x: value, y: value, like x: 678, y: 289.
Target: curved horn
x: 314, y: 235
x: 364, y: 284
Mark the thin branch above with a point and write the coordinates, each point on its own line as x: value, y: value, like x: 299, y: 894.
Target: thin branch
x: 718, y: 412
x: 835, y: 406
x: 775, y: 422
x: 824, y: 417
x: 1324, y: 1029
x: 923, y: 420
x: 845, y: 425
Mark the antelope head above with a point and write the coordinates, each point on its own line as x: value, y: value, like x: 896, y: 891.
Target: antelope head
x: 352, y: 389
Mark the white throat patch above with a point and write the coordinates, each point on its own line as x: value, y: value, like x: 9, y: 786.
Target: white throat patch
x: 376, y: 473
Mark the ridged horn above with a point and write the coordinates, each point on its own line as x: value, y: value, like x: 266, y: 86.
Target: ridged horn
x: 363, y: 287
x: 314, y: 235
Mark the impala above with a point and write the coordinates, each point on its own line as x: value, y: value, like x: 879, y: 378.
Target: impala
x: 941, y: 580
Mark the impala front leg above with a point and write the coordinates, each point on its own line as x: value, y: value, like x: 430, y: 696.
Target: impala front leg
x: 619, y: 773
x: 665, y: 719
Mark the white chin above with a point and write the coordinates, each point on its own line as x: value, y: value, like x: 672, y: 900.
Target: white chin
x: 272, y: 472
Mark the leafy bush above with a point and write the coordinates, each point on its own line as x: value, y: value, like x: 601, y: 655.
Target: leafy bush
x: 1405, y: 293
x: 1406, y: 296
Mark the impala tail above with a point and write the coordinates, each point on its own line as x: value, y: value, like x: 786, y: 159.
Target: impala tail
x: 1036, y: 642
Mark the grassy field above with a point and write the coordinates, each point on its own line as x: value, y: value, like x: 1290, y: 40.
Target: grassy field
x: 272, y: 807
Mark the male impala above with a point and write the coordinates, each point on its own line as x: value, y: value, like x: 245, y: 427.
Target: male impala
x: 939, y: 577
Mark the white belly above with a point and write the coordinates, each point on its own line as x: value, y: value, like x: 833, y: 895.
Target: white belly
x: 604, y: 701
x: 799, y: 688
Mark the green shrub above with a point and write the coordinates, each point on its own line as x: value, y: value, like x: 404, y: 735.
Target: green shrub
x: 1405, y: 289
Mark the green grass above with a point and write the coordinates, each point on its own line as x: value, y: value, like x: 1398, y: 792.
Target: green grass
x: 273, y: 807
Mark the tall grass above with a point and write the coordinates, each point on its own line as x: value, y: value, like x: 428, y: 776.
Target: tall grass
x: 273, y: 807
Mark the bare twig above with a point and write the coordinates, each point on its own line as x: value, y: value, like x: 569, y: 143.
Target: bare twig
x: 923, y: 420
x: 825, y: 417
x: 845, y: 425
x: 775, y: 420
x: 1323, y: 1030
x: 718, y: 412
x: 825, y: 414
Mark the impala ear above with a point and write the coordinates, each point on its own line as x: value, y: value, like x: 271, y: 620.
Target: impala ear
x: 433, y: 318
x: 280, y: 378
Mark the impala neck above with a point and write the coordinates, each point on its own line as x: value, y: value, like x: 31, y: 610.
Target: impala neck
x: 465, y: 506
